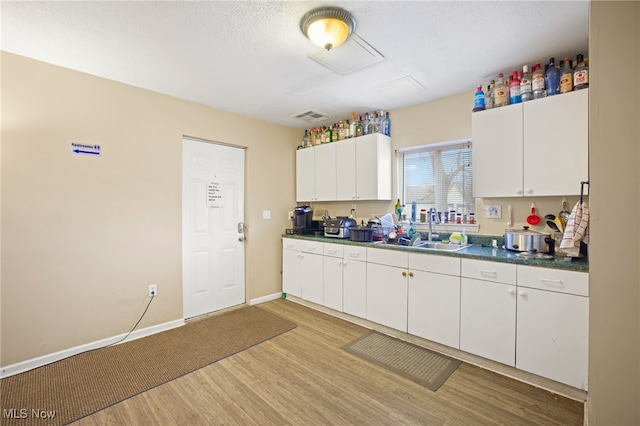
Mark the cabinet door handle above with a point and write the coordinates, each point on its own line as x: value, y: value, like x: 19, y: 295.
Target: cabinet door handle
x: 339, y: 262
x: 529, y: 191
x: 511, y: 292
x: 519, y: 191
x: 404, y: 273
x: 492, y: 274
x: 410, y: 274
x: 354, y: 254
x: 523, y: 294
x: 344, y: 263
x: 553, y: 283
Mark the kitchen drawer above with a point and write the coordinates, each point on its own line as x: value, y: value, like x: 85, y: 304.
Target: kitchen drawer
x: 291, y: 244
x: 311, y: 246
x: 355, y: 253
x: 557, y: 280
x: 388, y: 257
x: 437, y: 264
x: 489, y: 271
x: 333, y: 250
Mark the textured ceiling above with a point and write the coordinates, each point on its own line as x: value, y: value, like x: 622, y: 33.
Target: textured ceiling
x: 250, y: 57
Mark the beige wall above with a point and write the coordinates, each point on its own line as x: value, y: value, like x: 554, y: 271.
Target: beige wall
x: 82, y: 238
x: 614, y: 269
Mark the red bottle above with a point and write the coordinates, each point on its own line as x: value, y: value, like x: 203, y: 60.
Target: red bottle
x: 514, y: 89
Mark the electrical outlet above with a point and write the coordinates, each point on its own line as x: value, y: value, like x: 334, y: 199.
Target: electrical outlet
x: 353, y: 207
x: 290, y: 217
x: 494, y: 211
x: 266, y: 214
x: 153, y: 290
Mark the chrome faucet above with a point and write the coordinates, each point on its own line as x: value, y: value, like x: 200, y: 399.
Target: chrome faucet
x: 431, y: 219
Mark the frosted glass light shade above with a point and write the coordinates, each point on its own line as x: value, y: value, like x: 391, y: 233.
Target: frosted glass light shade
x: 327, y: 27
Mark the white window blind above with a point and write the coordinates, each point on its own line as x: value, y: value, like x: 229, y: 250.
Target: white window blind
x: 437, y: 176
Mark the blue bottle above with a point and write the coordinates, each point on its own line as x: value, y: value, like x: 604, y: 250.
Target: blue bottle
x: 386, y: 125
x: 414, y: 211
x: 478, y: 100
x: 553, y: 78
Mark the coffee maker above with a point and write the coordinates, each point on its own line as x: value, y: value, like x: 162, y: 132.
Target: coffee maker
x: 302, y: 219
x: 303, y: 223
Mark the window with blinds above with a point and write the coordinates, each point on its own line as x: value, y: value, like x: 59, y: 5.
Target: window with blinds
x: 438, y: 175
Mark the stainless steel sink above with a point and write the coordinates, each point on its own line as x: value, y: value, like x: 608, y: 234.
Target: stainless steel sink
x: 436, y: 245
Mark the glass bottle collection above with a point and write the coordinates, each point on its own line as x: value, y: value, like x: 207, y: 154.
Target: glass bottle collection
x: 367, y: 123
x: 525, y: 85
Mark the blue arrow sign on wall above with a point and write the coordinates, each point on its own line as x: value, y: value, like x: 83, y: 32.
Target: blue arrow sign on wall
x: 85, y: 149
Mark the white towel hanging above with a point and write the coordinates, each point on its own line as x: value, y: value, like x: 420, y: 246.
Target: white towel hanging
x: 577, y: 229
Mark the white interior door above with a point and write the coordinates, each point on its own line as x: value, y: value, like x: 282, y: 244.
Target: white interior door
x: 212, y: 227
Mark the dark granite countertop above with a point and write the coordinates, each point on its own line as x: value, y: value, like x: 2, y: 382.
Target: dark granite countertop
x: 477, y: 250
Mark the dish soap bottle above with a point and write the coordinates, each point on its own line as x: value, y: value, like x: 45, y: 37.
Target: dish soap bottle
x: 463, y: 237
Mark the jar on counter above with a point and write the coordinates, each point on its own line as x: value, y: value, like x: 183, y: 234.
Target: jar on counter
x: 423, y: 215
x: 459, y: 218
x: 452, y: 216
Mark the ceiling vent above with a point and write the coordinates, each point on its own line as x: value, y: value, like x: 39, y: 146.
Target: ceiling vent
x: 353, y: 55
x: 311, y: 116
x: 401, y: 88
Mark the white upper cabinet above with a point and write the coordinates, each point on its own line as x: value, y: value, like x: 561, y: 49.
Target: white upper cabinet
x: 497, y: 152
x: 556, y: 134
x: 535, y: 148
x: 346, y: 169
x: 316, y: 173
x: 305, y: 175
x: 373, y: 167
x: 352, y: 169
x: 325, y: 173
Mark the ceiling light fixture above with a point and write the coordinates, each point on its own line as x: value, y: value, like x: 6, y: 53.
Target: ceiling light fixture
x: 328, y: 27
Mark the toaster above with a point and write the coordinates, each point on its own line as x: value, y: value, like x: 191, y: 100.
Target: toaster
x: 338, y: 227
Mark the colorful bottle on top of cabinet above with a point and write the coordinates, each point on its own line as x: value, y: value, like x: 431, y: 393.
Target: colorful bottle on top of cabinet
x: 566, y: 76
x: 500, y: 93
x: 553, y: 78
x: 478, y: 100
x: 538, y: 81
x: 581, y: 74
x: 514, y: 89
x: 526, y: 86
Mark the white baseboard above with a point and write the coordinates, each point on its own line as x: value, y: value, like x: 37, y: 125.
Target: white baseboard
x: 21, y: 367
x: 263, y: 299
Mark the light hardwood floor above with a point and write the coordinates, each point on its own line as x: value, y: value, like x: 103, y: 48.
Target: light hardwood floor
x: 303, y: 377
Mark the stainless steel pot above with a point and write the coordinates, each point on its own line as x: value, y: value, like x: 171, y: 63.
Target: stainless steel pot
x: 374, y: 221
x: 526, y: 240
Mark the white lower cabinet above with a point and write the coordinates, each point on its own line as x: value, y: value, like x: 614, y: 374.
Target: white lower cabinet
x: 553, y: 324
x: 488, y: 319
x: 488, y: 310
x: 434, y: 298
x: 354, y: 281
x: 387, y: 287
x: 302, y: 269
x: 332, y: 276
x: 535, y: 319
x: 291, y: 267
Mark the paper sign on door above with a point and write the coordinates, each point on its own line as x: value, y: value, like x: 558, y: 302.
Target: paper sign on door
x: 214, y: 195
